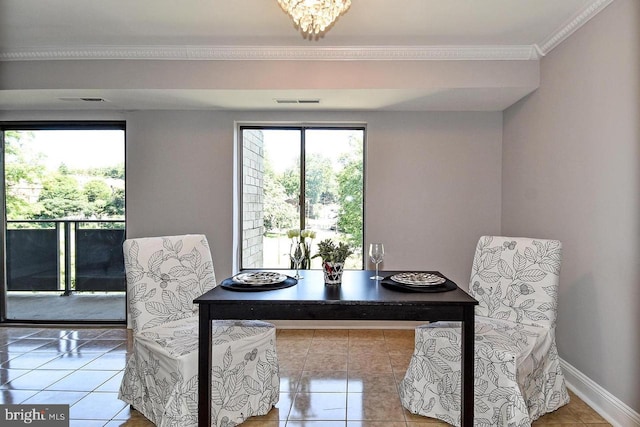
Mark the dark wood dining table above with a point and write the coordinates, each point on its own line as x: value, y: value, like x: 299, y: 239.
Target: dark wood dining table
x: 357, y: 298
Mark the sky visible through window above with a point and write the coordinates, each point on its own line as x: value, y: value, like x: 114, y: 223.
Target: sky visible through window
x: 79, y: 149
x: 282, y: 147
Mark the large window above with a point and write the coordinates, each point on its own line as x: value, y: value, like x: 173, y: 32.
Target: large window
x: 300, y: 178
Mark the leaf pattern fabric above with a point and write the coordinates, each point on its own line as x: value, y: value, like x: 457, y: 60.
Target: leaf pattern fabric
x: 164, y: 275
x: 517, y: 375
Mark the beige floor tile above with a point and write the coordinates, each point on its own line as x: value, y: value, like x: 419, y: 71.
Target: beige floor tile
x: 295, y: 334
x: 329, y: 346
x: 366, y: 348
x: 291, y: 362
x: 97, y: 406
x: 366, y: 334
x: 374, y: 407
x: 326, y: 362
x: 427, y: 422
x: 377, y: 362
x: 15, y: 396
x: 329, y: 378
x: 323, y: 382
x: 319, y: 407
x: 37, y: 380
x: 99, y: 423
x: 56, y: 397
x: 82, y: 380
x: 29, y: 360
x: 292, y: 347
x: 251, y: 422
x: 331, y: 334
x: 289, y: 380
x: 336, y: 423
x: 376, y: 424
x: 371, y: 382
x: 400, y: 362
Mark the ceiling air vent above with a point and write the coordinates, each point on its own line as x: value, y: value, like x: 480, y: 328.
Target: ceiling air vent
x: 297, y: 101
x: 84, y: 99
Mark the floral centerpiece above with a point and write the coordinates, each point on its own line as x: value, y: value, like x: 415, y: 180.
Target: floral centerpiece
x: 333, y: 258
x: 304, y: 238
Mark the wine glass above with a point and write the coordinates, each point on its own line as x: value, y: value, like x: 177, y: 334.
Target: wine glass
x: 296, y: 253
x: 376, y: 254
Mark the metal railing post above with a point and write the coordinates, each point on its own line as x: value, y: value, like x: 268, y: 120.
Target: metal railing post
x: 67, y: 258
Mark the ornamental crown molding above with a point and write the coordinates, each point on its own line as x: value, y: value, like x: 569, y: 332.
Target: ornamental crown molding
x: 271, y: 53
x: 288, y: 53
x: 575, y: 22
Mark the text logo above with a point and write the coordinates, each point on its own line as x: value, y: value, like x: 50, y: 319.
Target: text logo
x: 34, y: 415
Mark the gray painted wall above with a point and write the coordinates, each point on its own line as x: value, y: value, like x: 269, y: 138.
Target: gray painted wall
x: 433, y: 181
x: 571, y: 171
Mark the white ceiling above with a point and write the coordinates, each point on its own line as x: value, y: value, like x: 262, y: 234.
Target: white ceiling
x: 237, y: 30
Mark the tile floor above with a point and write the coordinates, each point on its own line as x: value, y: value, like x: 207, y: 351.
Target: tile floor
x: 330, y: 378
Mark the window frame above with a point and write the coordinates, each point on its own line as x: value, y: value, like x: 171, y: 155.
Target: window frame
x: 239, y: 175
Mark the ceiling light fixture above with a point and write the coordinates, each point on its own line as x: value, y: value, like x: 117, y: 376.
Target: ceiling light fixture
x: 314, y: 16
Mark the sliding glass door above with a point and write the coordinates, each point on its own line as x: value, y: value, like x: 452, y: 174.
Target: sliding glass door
x: 64, y: 222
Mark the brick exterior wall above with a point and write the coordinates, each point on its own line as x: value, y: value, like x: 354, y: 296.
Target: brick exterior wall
x: 252, y: 200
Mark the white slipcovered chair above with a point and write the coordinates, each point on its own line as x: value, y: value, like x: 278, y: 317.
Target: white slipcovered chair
x: 517, y: 370
x: 164, y: 275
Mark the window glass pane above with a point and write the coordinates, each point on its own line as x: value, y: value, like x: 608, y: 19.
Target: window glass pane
x: 333, y: 188
x: 271, y: 188
x: 273, y: 177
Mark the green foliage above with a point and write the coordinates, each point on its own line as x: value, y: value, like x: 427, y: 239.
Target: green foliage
x: 102, y: 200
x: 290, y: 182
x: 115, y: 172
x: 23, y: 170
x: 330, y: 252
x: 115, y: 206
x: 96, y: 190
x: 63, y: 169
x: 277, y: 213
x: 350, y: 188
x: 319, y: 177
x: 60, y: 195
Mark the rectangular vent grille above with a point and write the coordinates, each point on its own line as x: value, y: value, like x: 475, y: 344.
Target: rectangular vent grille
x: 84, y: 99
x: 297, y: 101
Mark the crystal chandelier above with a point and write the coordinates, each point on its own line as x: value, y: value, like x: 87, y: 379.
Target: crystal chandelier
x: 314, y: 16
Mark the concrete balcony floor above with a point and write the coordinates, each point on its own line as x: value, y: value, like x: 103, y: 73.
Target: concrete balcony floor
x: 80, y: 307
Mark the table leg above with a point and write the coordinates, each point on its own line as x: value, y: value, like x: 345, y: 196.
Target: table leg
x: 204, y: 368
x: 468, y: 338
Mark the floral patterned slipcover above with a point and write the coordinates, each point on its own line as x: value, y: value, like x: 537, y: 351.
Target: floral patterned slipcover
x: 517, y: 369
x: 164, y: 275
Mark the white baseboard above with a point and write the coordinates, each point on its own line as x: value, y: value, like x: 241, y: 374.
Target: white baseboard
x: 604, y: 403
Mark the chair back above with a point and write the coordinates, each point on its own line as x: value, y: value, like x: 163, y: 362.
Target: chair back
x: 164, y: 275
x: 516, y: 279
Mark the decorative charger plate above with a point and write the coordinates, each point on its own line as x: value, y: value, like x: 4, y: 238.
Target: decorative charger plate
x: 259, y: 278
x: 258, y: 281
x: 418, y: 279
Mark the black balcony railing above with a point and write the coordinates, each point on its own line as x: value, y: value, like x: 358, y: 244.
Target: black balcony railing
x: 65, y: 255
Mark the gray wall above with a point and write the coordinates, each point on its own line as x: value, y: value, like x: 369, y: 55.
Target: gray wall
x: 571, y: 171
x: 433, y: 181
